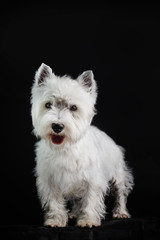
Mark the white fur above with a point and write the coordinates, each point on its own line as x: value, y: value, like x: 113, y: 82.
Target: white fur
x: 84, y: 165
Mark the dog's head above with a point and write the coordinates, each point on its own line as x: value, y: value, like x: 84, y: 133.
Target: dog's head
x: 62, y: 108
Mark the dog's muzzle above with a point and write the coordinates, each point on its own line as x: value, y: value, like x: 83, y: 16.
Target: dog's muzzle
x: 55, y: 137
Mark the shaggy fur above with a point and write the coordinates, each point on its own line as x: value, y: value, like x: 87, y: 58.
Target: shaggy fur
x: 75, y: 161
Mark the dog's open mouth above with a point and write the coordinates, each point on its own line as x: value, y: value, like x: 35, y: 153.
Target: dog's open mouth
x: 57, y: 139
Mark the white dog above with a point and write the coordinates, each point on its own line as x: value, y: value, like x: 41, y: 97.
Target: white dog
x: 75, y: 161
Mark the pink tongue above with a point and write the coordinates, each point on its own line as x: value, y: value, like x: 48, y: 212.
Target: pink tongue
x: 56, y: 139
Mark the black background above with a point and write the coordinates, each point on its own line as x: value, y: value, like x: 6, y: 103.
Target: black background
x: 121, y: 44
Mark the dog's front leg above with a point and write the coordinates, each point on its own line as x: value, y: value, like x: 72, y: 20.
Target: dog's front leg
x: 93, y: 208
x: 56, y: 213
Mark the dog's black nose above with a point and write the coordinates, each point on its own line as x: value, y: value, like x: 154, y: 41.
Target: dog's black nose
x: 57, y: 128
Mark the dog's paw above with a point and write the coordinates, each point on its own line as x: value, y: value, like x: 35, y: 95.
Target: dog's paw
x: 121, y: 215
x: 87, y: 223
x: 54, y: 223
x: 72, y: 215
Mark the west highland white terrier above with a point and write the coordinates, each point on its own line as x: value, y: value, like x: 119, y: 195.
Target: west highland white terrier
x: 75, y: 161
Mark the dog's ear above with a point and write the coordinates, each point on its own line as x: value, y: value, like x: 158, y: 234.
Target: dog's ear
x: 42, y: 73
x: 86, y: 79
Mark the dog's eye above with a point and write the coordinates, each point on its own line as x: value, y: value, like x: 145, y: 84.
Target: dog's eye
x: 48, y: 105
x: 73, y: 108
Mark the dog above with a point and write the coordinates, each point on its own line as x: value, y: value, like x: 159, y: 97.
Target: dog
x: 75, y: 161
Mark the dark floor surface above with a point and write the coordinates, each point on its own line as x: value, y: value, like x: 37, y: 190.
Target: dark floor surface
x: 134, y: 228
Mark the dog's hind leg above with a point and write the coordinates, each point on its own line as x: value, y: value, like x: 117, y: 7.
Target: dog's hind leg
x: 120, y: 190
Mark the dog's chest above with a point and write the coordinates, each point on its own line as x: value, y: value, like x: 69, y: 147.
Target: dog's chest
x: 70, y: 183
x: 68, y: 175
